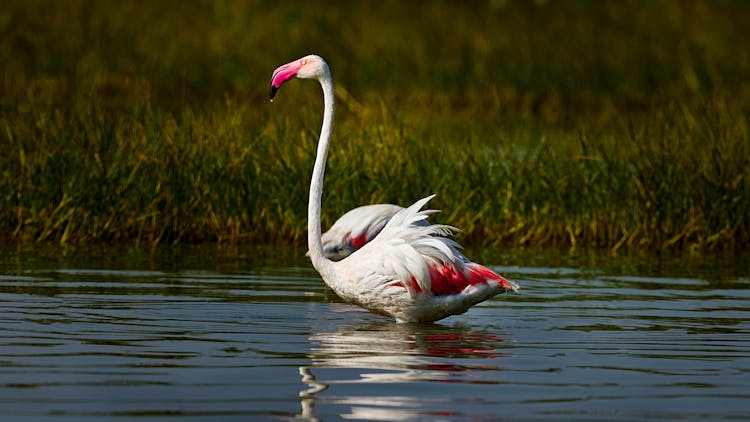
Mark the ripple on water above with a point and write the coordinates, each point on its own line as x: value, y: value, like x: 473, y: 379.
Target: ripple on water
x: 576, y: 343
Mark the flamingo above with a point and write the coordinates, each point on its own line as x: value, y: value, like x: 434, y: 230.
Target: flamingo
x: 410, y: 272
x: 357, y: 227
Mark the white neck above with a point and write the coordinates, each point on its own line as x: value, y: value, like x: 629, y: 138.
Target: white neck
x: 314, y: 242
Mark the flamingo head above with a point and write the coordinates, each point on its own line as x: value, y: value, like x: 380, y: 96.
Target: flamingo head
x: 308, y: 67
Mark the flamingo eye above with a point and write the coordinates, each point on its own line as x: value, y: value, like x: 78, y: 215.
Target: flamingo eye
x: 303, y: 62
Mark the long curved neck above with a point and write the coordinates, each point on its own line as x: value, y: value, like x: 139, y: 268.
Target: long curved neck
x: 314, y: 242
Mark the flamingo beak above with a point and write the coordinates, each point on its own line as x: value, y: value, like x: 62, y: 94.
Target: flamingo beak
x: 281, y: 75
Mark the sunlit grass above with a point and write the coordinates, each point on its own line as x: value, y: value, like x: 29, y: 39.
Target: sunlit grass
x: 611, y: 124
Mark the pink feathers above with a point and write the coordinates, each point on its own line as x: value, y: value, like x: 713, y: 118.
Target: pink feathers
x: 447, y: 279
x: 359, y: 241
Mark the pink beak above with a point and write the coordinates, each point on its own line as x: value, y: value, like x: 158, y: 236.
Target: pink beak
x: 283, y: 74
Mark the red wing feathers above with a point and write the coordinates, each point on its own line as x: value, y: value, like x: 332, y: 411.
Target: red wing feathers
x: 446, y: 279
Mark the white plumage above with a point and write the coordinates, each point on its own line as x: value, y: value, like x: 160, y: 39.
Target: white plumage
x: 411, y: 271
x: 356, y: 228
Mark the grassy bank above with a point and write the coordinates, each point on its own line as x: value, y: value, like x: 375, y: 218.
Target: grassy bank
x: 613, y: 124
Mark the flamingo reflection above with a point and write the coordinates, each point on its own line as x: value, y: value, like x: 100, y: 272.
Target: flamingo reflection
x: 385, y: 353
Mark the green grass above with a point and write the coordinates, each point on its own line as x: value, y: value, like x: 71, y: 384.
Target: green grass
x: 585, y: 123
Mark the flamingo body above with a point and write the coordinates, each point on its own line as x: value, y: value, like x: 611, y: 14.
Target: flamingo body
x: 411, y: 271
x: 415, y: 273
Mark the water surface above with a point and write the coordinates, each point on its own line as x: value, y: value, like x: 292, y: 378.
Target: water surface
x: 228, y: 334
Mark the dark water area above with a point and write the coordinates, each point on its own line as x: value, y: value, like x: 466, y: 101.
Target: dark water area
x: 229, y: 333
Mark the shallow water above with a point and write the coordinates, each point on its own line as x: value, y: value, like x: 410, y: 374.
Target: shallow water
x: 231, y: 334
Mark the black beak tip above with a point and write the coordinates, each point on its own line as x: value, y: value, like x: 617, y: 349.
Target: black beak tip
x: 272, y: 93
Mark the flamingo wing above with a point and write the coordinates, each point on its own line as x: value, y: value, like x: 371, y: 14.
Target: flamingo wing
x: 358, y: 227
x: 355, y: 228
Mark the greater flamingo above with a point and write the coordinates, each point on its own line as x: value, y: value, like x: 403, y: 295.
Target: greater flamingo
x: 357, y: 227
x: 409, y: 272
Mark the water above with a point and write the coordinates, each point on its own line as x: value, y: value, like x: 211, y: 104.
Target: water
x: 206, y: 333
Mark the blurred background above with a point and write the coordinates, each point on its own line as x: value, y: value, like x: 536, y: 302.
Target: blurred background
x: 128, y: 119
x: 555, y: 59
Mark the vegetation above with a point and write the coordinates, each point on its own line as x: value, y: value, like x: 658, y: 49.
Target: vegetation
x: 598, y: 123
